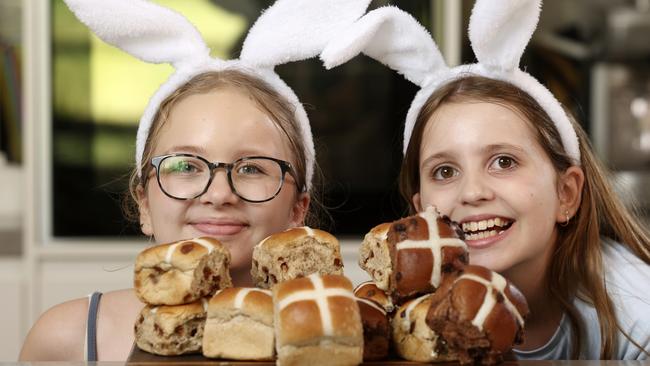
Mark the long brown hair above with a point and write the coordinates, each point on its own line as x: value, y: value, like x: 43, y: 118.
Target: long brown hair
x: 279, y: 110
x: 577, y: 252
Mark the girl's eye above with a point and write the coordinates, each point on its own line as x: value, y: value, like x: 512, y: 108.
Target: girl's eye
x: 444, y: 172
x: 503, y: 163
x: 249, y: 169
x: 180, y: 166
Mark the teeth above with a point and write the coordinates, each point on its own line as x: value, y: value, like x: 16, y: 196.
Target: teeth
x: 482, y: 225
x: 483, y: 235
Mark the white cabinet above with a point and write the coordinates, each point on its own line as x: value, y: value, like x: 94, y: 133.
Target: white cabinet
x: 12, y: 288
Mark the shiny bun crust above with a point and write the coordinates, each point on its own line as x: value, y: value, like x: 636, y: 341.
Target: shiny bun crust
x: 171, y: 330
x: 317, y: 321
x: 376, y: 330
x: 181, y: 272
x: 370, y: 291
x: 295, y: 253
x: 409, y: 257
x: 239, y: 325
x: 479, y: 314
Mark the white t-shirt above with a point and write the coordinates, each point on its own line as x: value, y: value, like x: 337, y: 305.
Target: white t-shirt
x: 627, y: 279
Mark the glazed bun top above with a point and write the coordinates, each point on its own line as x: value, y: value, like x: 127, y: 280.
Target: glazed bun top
x: 183, y: 254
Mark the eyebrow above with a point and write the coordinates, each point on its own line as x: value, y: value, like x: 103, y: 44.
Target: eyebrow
x: 185, y: 148
x: 499, y: 147
x: 196, y: 150
x: 489, y: 149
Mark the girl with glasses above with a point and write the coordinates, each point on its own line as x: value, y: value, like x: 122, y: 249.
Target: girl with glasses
x: 224, y: 149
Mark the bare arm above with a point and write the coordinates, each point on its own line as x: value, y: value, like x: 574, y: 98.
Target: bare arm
x: 58, y: 335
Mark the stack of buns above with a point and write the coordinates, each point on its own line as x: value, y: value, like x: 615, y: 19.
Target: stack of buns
x: 424, y: 303
x: 173, y: 280
x: 192, y: 306
x: 441, y: 308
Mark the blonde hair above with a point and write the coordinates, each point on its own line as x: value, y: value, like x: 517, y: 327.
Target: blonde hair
x: 280, y: 111
x: 577, y: 252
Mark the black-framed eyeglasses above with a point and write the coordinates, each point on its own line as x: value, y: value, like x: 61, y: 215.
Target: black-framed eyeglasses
x: 253, y: 178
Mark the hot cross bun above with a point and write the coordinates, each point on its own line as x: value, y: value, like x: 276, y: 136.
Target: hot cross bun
x: 411, y: 257
x: 295, y: 253
x: 317, y: 321
x: 171, y: 330
x: 479, y: 314
x: 181, y: 272
x: 239, y: 325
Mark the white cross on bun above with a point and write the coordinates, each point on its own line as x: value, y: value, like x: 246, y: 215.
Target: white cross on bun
x: 317, y: 322
x: 409, y: 257
x: 479, y: 314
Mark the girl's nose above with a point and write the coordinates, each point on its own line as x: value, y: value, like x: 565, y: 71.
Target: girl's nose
x: 219, y: 191
x: 475, y: 189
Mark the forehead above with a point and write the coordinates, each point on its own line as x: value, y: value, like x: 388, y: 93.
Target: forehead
x: 225, y: 123
x: 467, y: 126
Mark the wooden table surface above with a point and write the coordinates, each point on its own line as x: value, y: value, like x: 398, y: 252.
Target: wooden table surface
x: 139, y: 357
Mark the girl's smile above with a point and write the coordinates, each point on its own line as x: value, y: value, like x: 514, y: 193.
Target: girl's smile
x: 219, y: 228
x: 484, y: 230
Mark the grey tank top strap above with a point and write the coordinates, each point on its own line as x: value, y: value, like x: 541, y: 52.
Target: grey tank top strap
x: 91, y: 326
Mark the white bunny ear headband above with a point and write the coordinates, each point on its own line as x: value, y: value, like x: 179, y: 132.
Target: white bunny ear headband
x: 499, y: 32
x: 290, y: 30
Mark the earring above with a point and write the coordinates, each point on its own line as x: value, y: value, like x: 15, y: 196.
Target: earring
x: 568, y: 218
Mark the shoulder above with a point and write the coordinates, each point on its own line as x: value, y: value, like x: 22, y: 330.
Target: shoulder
x: 626, y: 275
x: 628, y: 284
x: 58, y: 334
x: 117, y: 314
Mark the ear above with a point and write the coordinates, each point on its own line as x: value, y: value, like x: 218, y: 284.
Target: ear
x: 569, y: 190
x: 417, y: 203
x: 299, y: 210
x: 145, y: 217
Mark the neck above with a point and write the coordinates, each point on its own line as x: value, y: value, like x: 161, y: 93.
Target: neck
x: 545, y: 313
x: 241, y: 277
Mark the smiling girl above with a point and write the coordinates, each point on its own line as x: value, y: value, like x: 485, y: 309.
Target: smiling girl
x: 493, y: 149
x: 488, y: 156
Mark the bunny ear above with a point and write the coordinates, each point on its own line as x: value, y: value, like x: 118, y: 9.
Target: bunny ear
x: 500, y: 30
x: 292, y: 30
x: 392, y: 37
x: 145, y: 30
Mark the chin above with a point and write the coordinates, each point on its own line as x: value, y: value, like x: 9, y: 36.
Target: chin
x: 494, y: 264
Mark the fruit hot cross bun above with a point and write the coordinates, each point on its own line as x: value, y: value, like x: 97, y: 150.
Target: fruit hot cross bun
x: 295, y: 253
x: 181, y: 272
x: 412, y: 255
x: 479, y: 314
